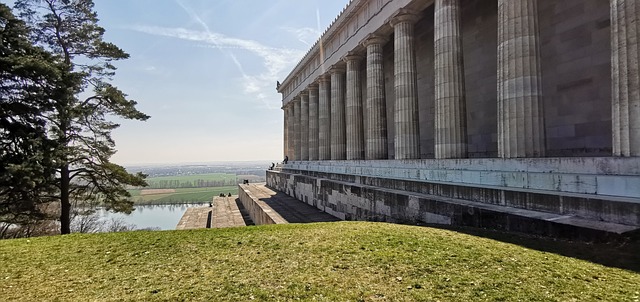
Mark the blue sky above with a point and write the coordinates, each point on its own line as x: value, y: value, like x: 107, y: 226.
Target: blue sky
x: 206, y: 70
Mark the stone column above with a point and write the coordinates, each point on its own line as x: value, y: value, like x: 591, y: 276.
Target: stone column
x: 338, y: 126
x: 407, y: 139
x: 313, y: 122
x: 376, y: 145
x: 324, y: 118
x: 625, y: 56
x: 354, y: 117
x: 297, y: 132
x: 291, y: 131
x: 285, y: 133
x: 520, y: 112
x: 450, y: 115
x: 304, y: 125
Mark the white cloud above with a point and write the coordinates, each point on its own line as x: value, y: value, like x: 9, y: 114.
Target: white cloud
x: 306, y: 35
x: 277, y: 61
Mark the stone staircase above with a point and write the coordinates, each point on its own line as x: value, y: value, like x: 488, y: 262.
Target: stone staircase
x: 256, y: 204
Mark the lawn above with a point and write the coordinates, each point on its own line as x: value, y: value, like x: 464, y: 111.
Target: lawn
x: 345, y: 261
x: 183, y: 195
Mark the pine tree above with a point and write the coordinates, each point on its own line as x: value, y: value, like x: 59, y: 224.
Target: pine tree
x: 80, y: 126
x: 28, y: 80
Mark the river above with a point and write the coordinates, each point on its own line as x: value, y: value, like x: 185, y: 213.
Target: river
x: 163, y: 217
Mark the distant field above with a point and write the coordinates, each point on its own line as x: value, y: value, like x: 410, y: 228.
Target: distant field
x: 192, y: 181
x: 210, y: 176
x: 181, y: 195
x: 156, y: 191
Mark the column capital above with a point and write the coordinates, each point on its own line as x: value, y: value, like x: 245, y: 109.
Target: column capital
x: 303, y: 93
x: 335, y: 69
x: 371, y: 39
x: 325, y: 78
x: 352, y: 56
x: 313, y: 87
x: 404, y: 15
x: 288, y: 105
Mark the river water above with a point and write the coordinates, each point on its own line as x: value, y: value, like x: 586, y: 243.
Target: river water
x: 163, y: 217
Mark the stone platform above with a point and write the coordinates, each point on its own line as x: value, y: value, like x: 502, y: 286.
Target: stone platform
x: 267, y: 206
x: 224, y: 212
x: 195, y: 218
x: 255, y: 204
x: 227, y: 212
x: 588, y: 199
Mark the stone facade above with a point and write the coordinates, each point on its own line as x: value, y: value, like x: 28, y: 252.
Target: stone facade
x: 517, y: 82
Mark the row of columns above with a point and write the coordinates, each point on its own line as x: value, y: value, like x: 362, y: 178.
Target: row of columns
x: 326, y: 121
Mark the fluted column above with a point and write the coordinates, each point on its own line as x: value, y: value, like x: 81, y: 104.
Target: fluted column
x: 297, y: 132
x: 291, y: 131
x: 520, y: 112
x: 354, y: 118
x: 338, y: 125
x: 313, y: 122
x: 285, y: 133
x: 376, y: 145
x: 451, y: 119
x: 324, y: 118
x: 304, y: 125
x: 407, y: 138
x: 625, y: 56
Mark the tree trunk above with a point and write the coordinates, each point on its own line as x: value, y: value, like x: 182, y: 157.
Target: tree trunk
x: 65, y: 204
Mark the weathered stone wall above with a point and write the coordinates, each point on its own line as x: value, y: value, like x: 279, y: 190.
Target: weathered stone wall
x: 389, y: 82
x: 479, y: 38
x: 394, y: 201
x: 603, y: 189
x: 426, y: 83
x: 259, y: 212
x: 576, y: 71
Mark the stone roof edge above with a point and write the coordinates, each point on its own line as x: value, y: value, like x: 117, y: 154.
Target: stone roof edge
x: 327, y: 34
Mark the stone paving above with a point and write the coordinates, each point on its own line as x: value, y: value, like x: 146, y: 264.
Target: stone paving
x: 289, y: 208
x: 195, y: 218
x: 226, y: 213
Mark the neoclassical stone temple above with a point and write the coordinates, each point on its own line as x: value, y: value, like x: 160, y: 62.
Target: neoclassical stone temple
x: 513, y: 114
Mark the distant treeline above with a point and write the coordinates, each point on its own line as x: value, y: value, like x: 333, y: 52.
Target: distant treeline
x: 195, y: 183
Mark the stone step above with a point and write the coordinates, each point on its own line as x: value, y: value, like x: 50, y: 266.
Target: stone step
x: 195, y: 218
x: 226, y: 213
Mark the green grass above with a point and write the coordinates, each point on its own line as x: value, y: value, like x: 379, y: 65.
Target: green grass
x: 346, y: 261
x: 183, y: 195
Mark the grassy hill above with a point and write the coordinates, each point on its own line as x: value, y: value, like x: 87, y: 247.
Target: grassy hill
x: 355, y: 261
